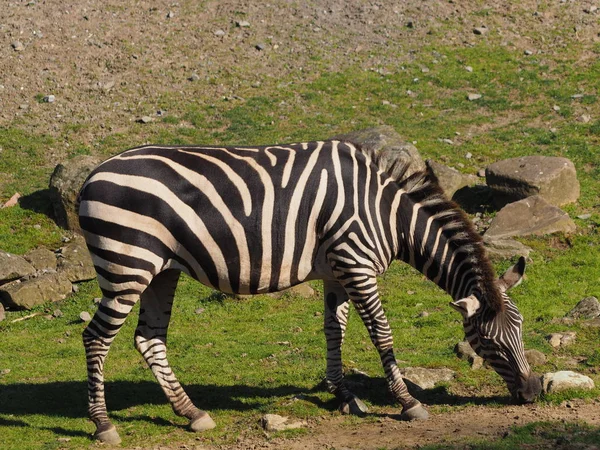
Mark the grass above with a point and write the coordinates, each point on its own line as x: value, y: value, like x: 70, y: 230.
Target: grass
x: 230, y: 357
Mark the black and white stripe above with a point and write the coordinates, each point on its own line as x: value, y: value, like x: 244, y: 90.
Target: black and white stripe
x: 261, y: 219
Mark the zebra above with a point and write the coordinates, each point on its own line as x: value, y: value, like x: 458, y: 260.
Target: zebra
x: 253, y: 220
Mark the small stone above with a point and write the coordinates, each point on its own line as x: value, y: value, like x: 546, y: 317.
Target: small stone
x: 584, y: 118
x: 13, y: 201
x: 194, y: 77
x: 576, y: 96
x: 259, y: 47
x: 425, y: 70
x: 468, y: 68
x: 23, y: 106
x: 423, y: 314
x: 481, y: 173
x: 145, y: 119
x: 85, y: 316
x: 464, y: 350
x: 480, y: 30
x: 562, y: 339
x: 584, y: 216
x: 97, y: 300
x: 473, y: 97
x: 242, y: 23
x: 75, y: 289
x: 219, y: 33
x: 556, y: 108
x: 57, y: 313
x: 448, y: 141
x: 61, y: 340
x: 318, y: 314
x: 528, y: 52
x: 199, y: 310
x: 17, y: 46
x: 49, y: 99
x: 476, y: 362
x: 64, y: 439
x: 469, y: 155
x: 4, y: 371
x: 170, y: 15
x: 535, y: 357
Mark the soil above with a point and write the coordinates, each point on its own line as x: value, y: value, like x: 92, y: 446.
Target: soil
x: 110, y: 62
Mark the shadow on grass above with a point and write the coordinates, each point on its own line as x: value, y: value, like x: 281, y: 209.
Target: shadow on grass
x: 68, y: 399
x: 39, y: 202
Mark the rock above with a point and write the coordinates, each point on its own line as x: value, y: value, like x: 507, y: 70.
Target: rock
x: 588, y: 308
x: 595, y: 323
x: 259, y: 47
x: 498, y: 249
x: 535, y: 357
x: 473, y: 97
x: 468, y: 68
x: 199, y: 310
x: 552, y: 178
x: 528, y: 52
x: 450, y: 179
x: 65, y: 183
x: 562, y: 339
x: 75, y: 261
x: 85, y: 316
x: 275, y: 422
x: 427, y: 378
x: 170, y: 15
x: 480, y: 30
x: 386, y: 139
x: 531, y: 216
x: 565, y: 379
x: 49, y: 99
x: 194, y: 77
x: 242, y: 23
x: 13, y: 201
x: 584, y: 118
x: 48, y: 287
x: 2, y: 313
x: 41, y: 259
x: 464, y: 351
x: 144, y: 119
x: 13, y: 267
x: 219, y: 33
x: 17, y: 46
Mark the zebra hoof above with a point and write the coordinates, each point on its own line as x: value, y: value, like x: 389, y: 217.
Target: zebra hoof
x: 108, y: 435
x: 415, y: 413
x: 202, y: 422
x: 355, y: 407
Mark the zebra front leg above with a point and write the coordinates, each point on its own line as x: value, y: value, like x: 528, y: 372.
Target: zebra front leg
x: 365, y: 297
x: 335, y: 320
x: 97, y: 337
x: 151, y: 340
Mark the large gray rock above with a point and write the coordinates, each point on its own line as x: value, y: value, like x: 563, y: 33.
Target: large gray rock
x: 13, y: 267
x: 427, y: 378
x: 554, y: 179
x: 65, y: 183
x: 505, y: 248
x: 530, y: 216
x: 565, y: 379
x: 588, y: 308
x: 41, y: 259
x: 450, y: 179
x: 386, y: 139
x: 75, y: 262
x: 48, y: 287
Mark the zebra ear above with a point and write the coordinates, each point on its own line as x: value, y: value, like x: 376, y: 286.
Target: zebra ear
x: 467, y: 306
x: 513, y: 276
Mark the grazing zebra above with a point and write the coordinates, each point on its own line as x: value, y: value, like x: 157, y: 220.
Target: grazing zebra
x: 252, y: 220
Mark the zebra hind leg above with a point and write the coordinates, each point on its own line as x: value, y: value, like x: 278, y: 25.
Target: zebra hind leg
x: 335, y: 320
x: 97, y: 338
x: 151, y: 339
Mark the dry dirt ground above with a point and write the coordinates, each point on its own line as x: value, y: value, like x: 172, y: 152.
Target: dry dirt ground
x: 109, y: 62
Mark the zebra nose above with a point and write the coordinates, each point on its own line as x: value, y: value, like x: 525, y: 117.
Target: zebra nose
x: 529, y: 389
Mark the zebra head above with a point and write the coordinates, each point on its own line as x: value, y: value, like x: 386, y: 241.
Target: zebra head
x: 498, y: 337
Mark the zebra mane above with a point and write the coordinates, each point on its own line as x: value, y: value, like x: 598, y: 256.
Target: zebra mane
x: 423, y: 187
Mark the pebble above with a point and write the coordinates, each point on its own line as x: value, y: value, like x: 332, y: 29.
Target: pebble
x: 584, y: 216
x: 17, y: 46
x: 448, y: 141
x: 584, y: 118
x: 97, y: 300
x: 23, y: 106
x: 219, y: 33
x: 199, y: 310
x: 469, y: 155
x: 85, y: 316
x: 170, y: 15
x: 57, y: 313
x: 318, y: 314
x: 4, y: 371
x: 481, y: 173
x: 425, y: 70
x: 473, y: 97
x: 242, y: 24
x: 576, y: 96
x: 423, y: 314
x: 556, y: 108
x: 480, y: 30
x: 49, y: 99
x: 468, y: 68
x: 194, y: 77
x: 259, y: 47
x: 75, y: 288
x: 145, y: 119
x: 528, y: 52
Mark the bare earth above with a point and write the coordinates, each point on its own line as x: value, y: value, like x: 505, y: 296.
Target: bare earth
x: 109, y: 62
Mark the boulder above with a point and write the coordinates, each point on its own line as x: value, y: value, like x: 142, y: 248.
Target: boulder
x: 48, y: 287
x: 450, y: 179
x: 41, y: 259
x: 386, y: 139
x: 65, y: 183
x: 535, y: 357
x: 565, y: 379
x: 13, y: 267
x: 275, y: 422
x: 554, y: 179
x: 498, y: 249
x: 75, y: 262
x: 427, y: 378
x: 530, y: 216
x: 588, y: 308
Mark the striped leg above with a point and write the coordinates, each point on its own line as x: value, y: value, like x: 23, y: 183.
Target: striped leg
x: 365, y: 297
x: 151, y: 339
x: 335, y: 320
x: 97, y: 338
